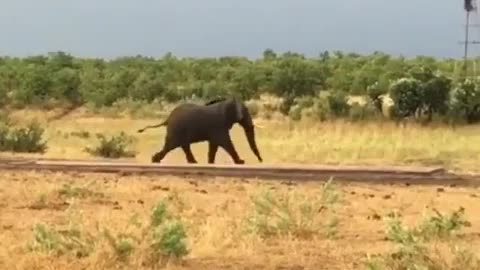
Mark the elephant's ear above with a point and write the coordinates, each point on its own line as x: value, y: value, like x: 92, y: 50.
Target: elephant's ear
x: 239, y: 110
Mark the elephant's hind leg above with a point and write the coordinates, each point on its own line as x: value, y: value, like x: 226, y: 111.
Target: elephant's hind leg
x: 188, y: 153
x: 158, y: 157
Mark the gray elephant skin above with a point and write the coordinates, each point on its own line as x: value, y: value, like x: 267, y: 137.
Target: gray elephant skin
x: 191, y: 123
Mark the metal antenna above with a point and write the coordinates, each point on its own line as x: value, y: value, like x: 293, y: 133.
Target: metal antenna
x: 468, y: 6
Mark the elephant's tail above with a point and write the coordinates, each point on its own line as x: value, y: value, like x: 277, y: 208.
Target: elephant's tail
x: 153, y: 126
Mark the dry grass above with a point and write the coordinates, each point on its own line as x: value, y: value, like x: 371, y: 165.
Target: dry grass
x: 284, y: 142
x: 214, y: 212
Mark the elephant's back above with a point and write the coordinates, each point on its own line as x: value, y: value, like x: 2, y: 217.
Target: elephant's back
x: 188, y: 115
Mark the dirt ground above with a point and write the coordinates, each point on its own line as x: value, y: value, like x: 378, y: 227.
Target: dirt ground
x: 213, y: 209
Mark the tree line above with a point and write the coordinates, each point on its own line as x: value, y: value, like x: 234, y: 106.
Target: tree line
x: 420, y: 85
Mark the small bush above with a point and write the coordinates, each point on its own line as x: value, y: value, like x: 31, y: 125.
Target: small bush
x: 302, y: 106
x: 159, y: 214
x: 286, y: 104
x: 114, y: 147
x: 435, y: 95
x: 122, y: 245
x: 61, y: 242
x: 433, y: 227
x: 443, y: 226
x: 4, y: 136
x: 167, y: 234
x: 292, y: 214
x: 413, y: 251
x: 22, y: 140
x: 465, y: 101
x: 160, y: 239
x: 406, y: 95
x: 168, y: 239
x: 359, y: 112
x: 337, y: 103
x: 321, y: 109
x: 305, y: 101
x: 295, y: 112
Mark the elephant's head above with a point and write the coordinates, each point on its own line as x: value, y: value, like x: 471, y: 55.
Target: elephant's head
x: 237, y: 112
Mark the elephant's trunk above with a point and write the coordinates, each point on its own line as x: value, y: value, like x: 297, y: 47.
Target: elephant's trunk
x: 250, y: 134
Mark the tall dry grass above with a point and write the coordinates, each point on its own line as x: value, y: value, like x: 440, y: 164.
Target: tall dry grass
x: 284, y: 141
x: 296, y: 226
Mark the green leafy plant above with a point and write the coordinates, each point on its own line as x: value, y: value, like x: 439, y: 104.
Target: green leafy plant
x: 122, y: 245
x: 115, y: 146
x: 465, y: 101
x: 27, y: 139
x: 61, y: 242
x: 168, y: 239
x: 406, y: 95
x: 413, y: 250
x: 292, y: 213
x: 167, y: 234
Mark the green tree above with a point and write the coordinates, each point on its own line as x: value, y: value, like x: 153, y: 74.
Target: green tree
x: 406, y: 94
x: 465, y: 101
x: 66, y: 85
x: 35, y: 85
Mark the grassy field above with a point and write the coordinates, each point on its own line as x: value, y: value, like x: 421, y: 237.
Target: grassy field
x: 100, y: 221
x: 282, y: 141
x: 231, y: 224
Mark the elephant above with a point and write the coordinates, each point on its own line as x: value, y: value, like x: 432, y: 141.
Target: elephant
x: 191, y: 123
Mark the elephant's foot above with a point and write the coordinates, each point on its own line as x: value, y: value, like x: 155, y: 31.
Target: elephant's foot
x: 192, y: 161
x: 156, y: 158
x: 239, y: 161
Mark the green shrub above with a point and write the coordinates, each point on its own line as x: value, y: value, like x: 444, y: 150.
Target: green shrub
x: 305, y: 101
x: 61, y: 242
x: 359, y: 112
x: 337, y: 102
x: 412, y: 249
x: 293, y: 214
x: 286, y: 104
x: 114, y: 147
x: 321, y: 108
x: 406, y: 95
x: 53, y: 80
x: 122, y: 245
x: 167, y: 233
x: 161, y: 239
x: 27, y: 139
x: 4, y: 136
x: 295, y: 112
x: 435, y: 95
x: 465, y: 101
x: 168, y: 239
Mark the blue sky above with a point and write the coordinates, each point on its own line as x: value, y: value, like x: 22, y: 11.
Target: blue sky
x: 109, y: 28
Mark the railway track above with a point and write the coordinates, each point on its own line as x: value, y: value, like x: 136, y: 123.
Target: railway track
x: 289, y: 172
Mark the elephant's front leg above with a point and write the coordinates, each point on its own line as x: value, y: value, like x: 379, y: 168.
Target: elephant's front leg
x: 188, y: 154
x: 212, y: 151
x: 226, y: 143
